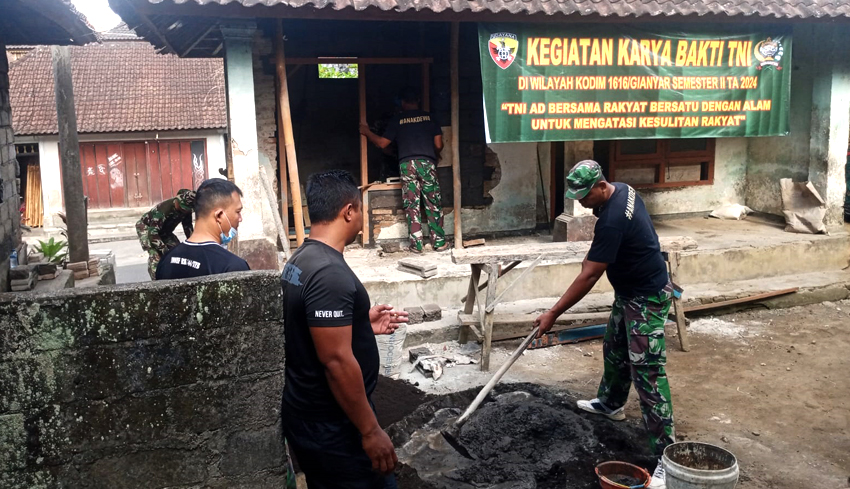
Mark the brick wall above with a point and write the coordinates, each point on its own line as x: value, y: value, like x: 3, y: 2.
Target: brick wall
x: 385, y: 211
x: 154, y: 385
x: 9, y: 203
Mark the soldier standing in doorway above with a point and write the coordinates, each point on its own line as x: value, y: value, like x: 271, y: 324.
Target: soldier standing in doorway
x: 419, y: 140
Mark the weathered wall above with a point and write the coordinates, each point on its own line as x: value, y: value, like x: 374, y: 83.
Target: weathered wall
x: 514, y: 204
x: 773, y: 158
x: 10, y: 220
x: 730, y: 177
x: 164, y: 384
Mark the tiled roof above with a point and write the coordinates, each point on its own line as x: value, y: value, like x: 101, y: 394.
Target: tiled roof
x: 787, y: 9
x: 120, y: 87
x: 119, y: 33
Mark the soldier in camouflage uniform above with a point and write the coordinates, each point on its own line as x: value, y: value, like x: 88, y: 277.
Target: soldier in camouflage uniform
x: 626, y: 248
x: 156, y: 227
x: 419, y: 140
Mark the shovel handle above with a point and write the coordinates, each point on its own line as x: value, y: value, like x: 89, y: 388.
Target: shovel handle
x: 496, y: 377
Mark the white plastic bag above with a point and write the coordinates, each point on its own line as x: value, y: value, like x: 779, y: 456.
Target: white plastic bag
x: 731, y: 212
x: 391, y: 351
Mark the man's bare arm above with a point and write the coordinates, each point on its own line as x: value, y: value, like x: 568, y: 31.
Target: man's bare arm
x: 333, y: 347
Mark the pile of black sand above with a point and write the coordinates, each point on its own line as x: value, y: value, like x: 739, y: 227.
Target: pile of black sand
x: 524, y: 436
x: 395, y: 399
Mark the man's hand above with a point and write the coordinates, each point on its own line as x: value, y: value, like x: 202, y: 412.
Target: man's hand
x: 385, y: 320
x: 364, y: 129
x: 379, y: 448
x: 545, y: 322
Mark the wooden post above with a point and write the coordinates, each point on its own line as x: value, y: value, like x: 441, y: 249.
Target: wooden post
x: 288, y: 137
x: 678, y: 307
x: 470, y: 302
x: 69, y: 147
x: 280, y: 63
x: 364, y: 152
x: 458, y: 234
x: 487, y: 344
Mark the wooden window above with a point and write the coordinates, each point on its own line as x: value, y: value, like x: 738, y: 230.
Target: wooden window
x: 662, y: 163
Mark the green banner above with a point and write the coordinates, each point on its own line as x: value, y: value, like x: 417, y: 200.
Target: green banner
x: 580, y: 82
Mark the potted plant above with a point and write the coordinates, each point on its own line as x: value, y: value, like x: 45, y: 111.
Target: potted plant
x: 53, y: 251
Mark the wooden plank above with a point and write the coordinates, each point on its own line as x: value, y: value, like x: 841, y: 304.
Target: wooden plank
x: 529, y: 268
x: 289, y: 137
x: 502, y: 273
x: 487, y: 325
x: 102, y: 172
x: 89, y: 163
x: 176, y: 168
x: 575, y: 250
x: 359, y: 61
x: 186, y: 167
x: 165, y: 170
x: 69, y: 155
x: 280, y: 67
x: 117, y: 175
x: 678, y: 308
x: 154, y: 171
x: 467, y: 243
x: 470, y: 301
x: 742, y: 300
x: 456, y: 189
x: 281, y: 233
x: 364, y: 149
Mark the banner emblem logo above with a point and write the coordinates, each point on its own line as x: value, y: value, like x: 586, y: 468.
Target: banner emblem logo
x: 503, y: 48
x: 769, y: 53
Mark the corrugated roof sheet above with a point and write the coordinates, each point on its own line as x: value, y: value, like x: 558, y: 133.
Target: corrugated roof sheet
x: 787, y: 9
x: 120, y: 87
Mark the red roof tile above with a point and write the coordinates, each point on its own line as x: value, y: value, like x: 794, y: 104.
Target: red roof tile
x: 120, y: 87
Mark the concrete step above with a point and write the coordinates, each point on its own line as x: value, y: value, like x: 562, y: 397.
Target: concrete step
x: 815, y: 287
x: 752, y: 260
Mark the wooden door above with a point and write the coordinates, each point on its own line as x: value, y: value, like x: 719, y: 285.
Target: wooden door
x: 136, y: 175
x: 103, y: 170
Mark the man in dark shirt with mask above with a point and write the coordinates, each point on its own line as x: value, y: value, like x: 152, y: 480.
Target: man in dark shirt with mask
x: 218, y: 212
x: 626, y: 247
x: 419, y: 140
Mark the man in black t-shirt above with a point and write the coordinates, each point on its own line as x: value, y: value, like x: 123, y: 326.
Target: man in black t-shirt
x: 331, y: 355
x: 419, y: 140
x: 218, y: 212
x: 626, y: 247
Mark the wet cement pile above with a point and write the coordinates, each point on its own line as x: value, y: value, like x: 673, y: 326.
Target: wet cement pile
x: 525, y: 437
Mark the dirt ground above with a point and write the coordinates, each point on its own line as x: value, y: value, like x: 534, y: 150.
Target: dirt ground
x: 772, y: 386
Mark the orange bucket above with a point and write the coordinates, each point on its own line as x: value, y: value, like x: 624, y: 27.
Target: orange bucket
x: 611, y: 474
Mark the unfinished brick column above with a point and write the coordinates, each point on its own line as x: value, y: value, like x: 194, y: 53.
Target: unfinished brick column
x: 254, y: 245
x: 831, y: 122
x: 576, y: 223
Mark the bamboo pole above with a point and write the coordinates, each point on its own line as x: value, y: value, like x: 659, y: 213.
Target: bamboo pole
x: 288, y: 137
x: 364, y: 153
x: 458, y: 233
x: 281, y: 146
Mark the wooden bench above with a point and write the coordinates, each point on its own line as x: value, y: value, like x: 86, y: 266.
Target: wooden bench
x: 497, y: 261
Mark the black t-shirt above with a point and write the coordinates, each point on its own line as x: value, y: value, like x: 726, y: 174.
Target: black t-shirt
x: 414, y: 131
x: 625, y: 239
x: 188, y: 260
x: 320, y: 290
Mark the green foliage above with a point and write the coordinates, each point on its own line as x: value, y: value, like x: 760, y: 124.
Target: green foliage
x: 53, y: 251
x: 338, y: 71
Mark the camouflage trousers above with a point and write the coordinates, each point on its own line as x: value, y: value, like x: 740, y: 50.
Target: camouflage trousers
x: 635, y: 353
x: 419, y: 176
x: 154, y: 244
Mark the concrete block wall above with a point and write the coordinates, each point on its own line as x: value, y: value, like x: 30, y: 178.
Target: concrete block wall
x: 10, y: 222
x: 154, y: 385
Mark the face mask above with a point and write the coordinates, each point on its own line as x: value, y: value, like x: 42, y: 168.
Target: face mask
x: 227, y: 238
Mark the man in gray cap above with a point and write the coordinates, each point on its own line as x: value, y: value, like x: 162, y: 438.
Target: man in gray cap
x: 626, y: 248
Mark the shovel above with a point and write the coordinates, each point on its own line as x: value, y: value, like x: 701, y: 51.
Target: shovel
x: 452, y: 433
